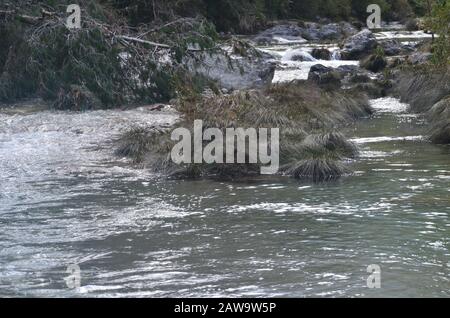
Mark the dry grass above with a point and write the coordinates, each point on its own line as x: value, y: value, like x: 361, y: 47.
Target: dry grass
x: 422, y: 87
x: 439, y: 117
x: 306, y: 115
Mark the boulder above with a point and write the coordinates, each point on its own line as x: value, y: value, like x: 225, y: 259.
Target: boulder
x: 393, y: 62
x: 321, y: 54
x: 324, y: 76
x: 439, y: 117
x: 348, y: 29
x: 330, y: 31
x: 359, y: 45
x: 235, y: 72
x: 352, y: 75
x: 374, y: 63
x: 359, y: 78
x: 412, y: 25
x: 391, y: 47
x: 348, y: 69
x: 327, y: 32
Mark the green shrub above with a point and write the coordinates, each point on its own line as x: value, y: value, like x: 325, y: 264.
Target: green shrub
x: 94, y: 67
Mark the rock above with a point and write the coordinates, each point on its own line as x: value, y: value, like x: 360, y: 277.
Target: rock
x: 348, y: 29
x: 331, y: 31
x: 371, y: 89
x: 358, y: 24
x: 237, y: 72
x: 323, y: 75
x: 440, y: 110
x: 289, y: 32
x: 409, y: 47
x: 301, y: 58
x: 412, y: 25
x: 310, y: 31
x: 419, y: 58
x: 352, y: 74
x: 439, y: 117
x: 348, y: 69
x: 321, y: 54
x: 391, y: 47
x: 359, y: 45
x: 374, y: 63
x: 359, y: 78
x: 396, y: 61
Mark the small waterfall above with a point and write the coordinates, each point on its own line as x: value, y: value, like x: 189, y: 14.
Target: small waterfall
x: 336, y: 55
x: 298, y: 55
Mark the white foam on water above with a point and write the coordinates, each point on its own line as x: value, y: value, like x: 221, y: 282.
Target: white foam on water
x: 293, y: 40
x: 385, y: 139
x: 402, y: 35
x: 388, y: 105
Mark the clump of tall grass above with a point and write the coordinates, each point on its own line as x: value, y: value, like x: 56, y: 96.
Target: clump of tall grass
x: 307, y: 116
x: 427, y: 90
x: 146, y: 146
x: 318, y: 157
x: 439, y: 117
x: 422, y: 87
x: 317, y: 170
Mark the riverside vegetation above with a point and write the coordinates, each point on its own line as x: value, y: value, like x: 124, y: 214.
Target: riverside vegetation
x: 145, y: 52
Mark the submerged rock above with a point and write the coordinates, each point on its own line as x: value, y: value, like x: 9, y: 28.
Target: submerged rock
x: 359, y: 45
x: 374, y: 63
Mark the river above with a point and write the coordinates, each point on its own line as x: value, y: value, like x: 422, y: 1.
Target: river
x: 65, y: 199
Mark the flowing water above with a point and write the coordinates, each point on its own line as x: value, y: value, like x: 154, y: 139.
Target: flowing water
x: 65, y: 199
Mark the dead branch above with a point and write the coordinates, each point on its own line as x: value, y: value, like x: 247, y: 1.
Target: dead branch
x: 27, y: 18
x: 129, y: 38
